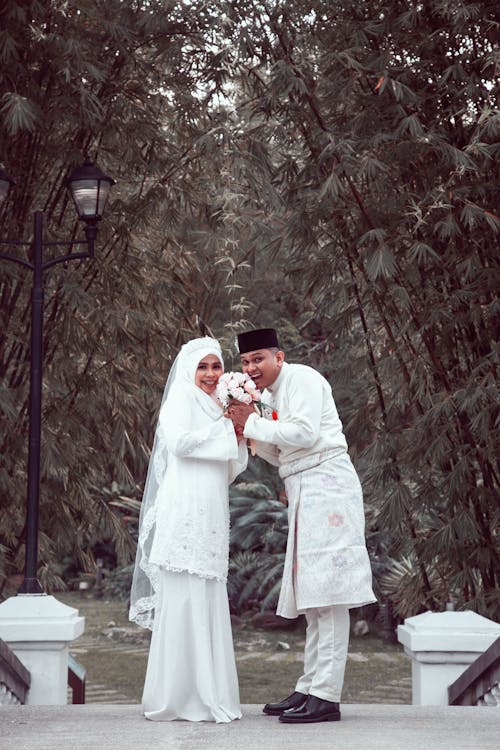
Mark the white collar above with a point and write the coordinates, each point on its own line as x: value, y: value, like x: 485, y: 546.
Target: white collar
x: 273, y: 388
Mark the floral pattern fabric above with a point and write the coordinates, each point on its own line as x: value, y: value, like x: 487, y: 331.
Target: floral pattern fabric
x: 326, y: 558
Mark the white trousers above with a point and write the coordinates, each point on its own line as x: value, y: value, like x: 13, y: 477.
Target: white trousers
x: 325, y: 655
x: 191, y: 672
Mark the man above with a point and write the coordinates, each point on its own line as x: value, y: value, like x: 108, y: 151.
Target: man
x: 327, y: 569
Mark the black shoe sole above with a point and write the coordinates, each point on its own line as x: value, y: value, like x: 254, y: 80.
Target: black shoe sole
x: 273, y: 712
x: 308, y: 720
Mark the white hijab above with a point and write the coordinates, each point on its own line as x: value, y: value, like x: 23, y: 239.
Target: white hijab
x: 180, y: 385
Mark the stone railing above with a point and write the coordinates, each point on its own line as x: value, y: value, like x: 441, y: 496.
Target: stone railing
x: 76, y: 680
x: 14, y: 677
x: 479, y: 685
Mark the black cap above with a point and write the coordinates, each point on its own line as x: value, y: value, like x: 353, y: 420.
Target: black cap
x: 262, y: 338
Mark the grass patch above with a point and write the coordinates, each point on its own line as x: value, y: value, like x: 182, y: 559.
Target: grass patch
x: 114, y: 652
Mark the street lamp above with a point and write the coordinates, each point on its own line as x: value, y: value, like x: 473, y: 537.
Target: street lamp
x: 89, y: 188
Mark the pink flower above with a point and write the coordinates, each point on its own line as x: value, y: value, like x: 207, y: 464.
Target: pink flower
x: 237, y: 385
x: 335, y: 519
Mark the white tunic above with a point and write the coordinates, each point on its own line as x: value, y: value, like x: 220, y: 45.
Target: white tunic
x: 192, y: 523
x: 326, y: 558
x: 308, y: 421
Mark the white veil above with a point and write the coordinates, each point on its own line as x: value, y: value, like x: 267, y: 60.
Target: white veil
x: 143, y: 594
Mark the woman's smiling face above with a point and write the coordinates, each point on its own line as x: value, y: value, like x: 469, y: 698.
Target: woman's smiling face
x: 208, y: 373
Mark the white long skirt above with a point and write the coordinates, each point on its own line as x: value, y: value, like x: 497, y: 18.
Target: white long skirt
x: 191, y: 671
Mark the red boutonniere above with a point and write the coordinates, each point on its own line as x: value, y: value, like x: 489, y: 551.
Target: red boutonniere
x: 274, y: 415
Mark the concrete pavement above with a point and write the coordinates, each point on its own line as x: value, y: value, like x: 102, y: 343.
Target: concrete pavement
x: 363, y: 727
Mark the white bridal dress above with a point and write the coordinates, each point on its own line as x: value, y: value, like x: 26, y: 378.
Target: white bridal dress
x: 191, y: 669
x: 179, y: 586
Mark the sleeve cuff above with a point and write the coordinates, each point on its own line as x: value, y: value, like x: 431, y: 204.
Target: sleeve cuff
x: 249, y: 429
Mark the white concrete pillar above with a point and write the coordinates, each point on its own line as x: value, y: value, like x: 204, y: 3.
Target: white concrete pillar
x: 38, y: 629
x: 441, y: 646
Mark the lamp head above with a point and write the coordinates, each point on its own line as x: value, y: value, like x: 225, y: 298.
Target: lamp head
x: 89, y: 188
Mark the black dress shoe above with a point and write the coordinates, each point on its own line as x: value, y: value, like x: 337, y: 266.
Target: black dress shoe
x: 314, y: 709
x: 295, y: 700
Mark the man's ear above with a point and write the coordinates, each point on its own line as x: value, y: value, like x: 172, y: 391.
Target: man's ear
x: 280, y: 357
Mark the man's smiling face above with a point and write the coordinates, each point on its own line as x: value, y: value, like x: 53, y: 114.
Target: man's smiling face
x: 263, y: 366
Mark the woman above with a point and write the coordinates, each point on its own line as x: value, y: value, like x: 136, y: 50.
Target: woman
x: 179, y: 584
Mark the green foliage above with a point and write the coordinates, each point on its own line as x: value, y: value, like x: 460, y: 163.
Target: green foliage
x: 117, y: 582
x: 117, y: 81
x: 254, y: 581
x: 386, y: 230
x: 327, y: 168
x: 259, y: 529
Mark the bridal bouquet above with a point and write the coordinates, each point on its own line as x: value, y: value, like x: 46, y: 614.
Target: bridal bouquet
x: 241, y: 387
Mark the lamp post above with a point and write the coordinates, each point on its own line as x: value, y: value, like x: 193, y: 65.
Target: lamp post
x: 89, y: 188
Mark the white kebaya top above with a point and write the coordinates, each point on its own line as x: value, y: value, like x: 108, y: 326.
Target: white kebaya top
x: 307, y: 423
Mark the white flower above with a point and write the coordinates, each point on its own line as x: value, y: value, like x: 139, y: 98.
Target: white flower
x: 237, y: 385
x: 222, y: 392
x: 236, y: 393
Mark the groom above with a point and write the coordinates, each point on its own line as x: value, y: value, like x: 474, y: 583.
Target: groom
x: 327, y: 569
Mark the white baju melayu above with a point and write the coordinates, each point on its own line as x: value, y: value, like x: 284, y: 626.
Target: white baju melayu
x: 327, y: 569
x: 183, y: 549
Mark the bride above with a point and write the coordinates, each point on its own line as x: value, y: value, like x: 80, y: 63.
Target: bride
x: 179, y: 584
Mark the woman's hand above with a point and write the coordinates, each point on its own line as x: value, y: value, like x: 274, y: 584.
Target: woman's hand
x: 239, y: 434
x: 239, y: 412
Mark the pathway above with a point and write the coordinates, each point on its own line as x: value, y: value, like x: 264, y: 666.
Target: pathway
x: 363, y: 727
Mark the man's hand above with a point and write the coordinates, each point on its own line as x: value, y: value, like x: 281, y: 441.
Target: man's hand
x: 239, y: 434
x: 239, y: 412
x: 283, y: 498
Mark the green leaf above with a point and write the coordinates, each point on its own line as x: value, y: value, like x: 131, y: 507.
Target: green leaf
x: 381, y: 263
x: 421, y: 253
x: 18, y: 113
